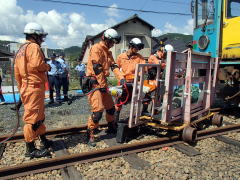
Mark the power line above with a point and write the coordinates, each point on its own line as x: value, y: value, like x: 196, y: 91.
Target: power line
x: 172, y: 2
x: 120, y: 8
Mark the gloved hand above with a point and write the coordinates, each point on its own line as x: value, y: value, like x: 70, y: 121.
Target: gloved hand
x: 122, y: 81
x: 103, y: 90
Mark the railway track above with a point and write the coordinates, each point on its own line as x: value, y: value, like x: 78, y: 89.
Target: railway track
x: 110, y: 152
x: 51, y: 133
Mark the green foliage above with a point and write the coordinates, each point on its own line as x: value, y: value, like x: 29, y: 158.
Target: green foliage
x: 72, y: 53
x: 74, y: 84
x: 177, y: 36
x: 112, y: 81
x: 72, y: 50
x: 178, y: 41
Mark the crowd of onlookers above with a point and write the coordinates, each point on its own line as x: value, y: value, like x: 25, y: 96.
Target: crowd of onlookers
x: 58, y: 78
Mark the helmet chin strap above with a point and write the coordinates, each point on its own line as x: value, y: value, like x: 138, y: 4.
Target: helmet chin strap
x: 37, y: 39
x: 108, y: 42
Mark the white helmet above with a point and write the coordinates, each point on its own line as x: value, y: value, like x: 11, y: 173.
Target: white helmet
x: 168, y: 47
x: 34, y: 28
x: 136, y: 43
x: 111, y: 34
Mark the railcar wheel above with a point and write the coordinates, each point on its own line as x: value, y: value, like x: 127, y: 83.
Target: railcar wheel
x: 189, y: 134
x: 217, y: 120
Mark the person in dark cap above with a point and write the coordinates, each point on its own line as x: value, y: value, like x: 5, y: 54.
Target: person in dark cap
x: 54, y: 79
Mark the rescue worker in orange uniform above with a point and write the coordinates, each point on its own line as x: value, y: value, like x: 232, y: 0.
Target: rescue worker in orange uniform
x: 30, y: 73
x: 100, y: 61
x: 157, y: 58
x: 159, y: 55
x: 127, y: 62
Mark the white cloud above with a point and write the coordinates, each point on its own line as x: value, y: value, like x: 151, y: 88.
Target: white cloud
x: 156, y: 33
x: 185, y: 29
x: 64, y: 29
x: 112, y: 11
x: 169, y: 28
x: 188, y: 29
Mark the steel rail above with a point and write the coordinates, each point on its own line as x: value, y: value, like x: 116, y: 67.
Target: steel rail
x: 50, y: 133
x: 110, y: 152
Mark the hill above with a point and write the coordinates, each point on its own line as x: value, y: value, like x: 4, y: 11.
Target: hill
x: 72, y: 53
x: 178, y: 41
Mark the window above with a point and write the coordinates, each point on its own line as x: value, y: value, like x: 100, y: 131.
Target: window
x: 233, y: 8
x: 205, y: 12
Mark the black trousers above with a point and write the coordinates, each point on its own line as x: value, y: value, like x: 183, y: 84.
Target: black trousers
x: 80, y: 80
x: 1, y: 95
x: 54, y: 82
x: 64, y: 84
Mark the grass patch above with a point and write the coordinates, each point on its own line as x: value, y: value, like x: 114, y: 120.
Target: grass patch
x: 74, y: 84
x: 112, y: 81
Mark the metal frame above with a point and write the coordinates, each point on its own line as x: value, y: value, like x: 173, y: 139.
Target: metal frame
x: 190, y: 64
x: 137, y: 93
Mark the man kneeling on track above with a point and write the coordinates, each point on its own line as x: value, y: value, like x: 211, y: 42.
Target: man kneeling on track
x: 30, y: 73
x: 127, y: 62
x: 99, y: 62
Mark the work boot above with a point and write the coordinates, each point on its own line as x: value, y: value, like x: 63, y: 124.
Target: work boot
x: 65, y: 98
x: 145, y: 110
x: 45, y: 142
x: 90, y: 138
x: 112, y: 129
x: 33, y: 152
x: 96, y: 131
x: 51, y: 101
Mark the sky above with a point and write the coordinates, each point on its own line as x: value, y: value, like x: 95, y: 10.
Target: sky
x: 68, y: 24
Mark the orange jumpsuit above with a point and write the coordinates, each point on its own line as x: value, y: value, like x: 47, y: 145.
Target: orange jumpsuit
x: 128, y: 66
x: 99, y: 100
x: 156, y: 58
x: 30, y: 73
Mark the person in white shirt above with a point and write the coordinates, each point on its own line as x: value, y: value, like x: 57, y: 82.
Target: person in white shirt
x: 53, y: 78
x: 81, y: 68
x: 63, y: 76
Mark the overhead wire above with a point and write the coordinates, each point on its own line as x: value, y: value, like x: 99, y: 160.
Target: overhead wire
x: 172, y: 2
x: 144, y: 3
x: 119, y: 8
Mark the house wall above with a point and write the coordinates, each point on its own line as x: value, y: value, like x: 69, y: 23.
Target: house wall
x: 128, y: 30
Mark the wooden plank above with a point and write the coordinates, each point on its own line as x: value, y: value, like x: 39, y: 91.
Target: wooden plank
x: 68, y: 173
x: 186, y: 149
x: 228, y: 140
x: 2, y: 149
x: 133, y: 159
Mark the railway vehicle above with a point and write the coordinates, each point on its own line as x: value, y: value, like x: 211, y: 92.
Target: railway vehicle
x: 211, y: 67
x: 216, y: 32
